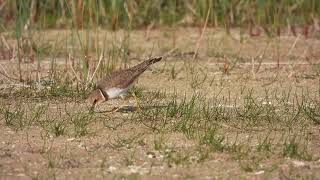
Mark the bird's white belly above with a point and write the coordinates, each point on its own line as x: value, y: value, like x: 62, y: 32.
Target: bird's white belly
x: 116, y: 92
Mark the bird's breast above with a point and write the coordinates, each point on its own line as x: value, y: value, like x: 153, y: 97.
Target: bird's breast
x: 116, y: 92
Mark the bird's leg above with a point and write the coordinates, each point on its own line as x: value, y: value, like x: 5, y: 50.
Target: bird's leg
x: 121, y: 106
x: 136, y: 101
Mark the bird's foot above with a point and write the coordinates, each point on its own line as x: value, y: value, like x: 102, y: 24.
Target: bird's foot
x: 137, y: 103
x: 115, y: 109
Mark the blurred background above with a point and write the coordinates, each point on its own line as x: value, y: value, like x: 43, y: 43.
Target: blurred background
x: 255, y: 16
x: 101, y: 35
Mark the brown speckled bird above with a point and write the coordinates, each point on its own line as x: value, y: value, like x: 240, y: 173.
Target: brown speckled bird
x: 118, y: 83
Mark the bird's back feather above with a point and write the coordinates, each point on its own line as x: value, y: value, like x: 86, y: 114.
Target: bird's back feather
x: 123, y: 78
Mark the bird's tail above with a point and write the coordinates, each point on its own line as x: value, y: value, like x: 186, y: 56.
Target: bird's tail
x: 145, y: 64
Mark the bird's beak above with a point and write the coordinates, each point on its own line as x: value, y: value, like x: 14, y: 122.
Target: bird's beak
x: 93, y: 105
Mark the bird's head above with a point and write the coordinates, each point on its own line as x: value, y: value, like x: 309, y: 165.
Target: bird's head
x: 94, y: 98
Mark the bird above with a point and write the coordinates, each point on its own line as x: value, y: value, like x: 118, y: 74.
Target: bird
x: 117, y: 83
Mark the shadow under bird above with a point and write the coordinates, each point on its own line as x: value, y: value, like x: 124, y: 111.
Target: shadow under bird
x: 118, y: 83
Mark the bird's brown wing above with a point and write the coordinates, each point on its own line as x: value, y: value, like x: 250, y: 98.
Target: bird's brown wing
x: 119, y: 79
x: 123, y: 78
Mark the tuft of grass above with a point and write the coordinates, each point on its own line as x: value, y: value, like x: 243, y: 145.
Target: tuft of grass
x: 197, y: 80
x: 203, y: 154
x: 249, y: 166
x: 291, y: 149
x: 13, y: 116
x: 137, y: 91
x: 173, y: 72
x: 312, y: 111
x: 173, y: 157
x: 51, y: 165
x: 159, y: 143
x: 265, y: 145
x: 59, y: 128
x: 213, y: 140
x: 80, y: 122
x: 51, y: 89
x: 127, y: 142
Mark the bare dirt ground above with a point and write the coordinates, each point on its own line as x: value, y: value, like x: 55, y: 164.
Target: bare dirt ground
x: 266, y: 88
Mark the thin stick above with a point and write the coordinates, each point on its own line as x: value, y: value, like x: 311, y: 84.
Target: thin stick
x: 252, y: 68
x: 20, y: 85
x: 168, y: 53
x: 293, y: 45
x: 5, y: 42
x: 19, y: 59
x: 14, y: 54
x: 262, y: 56
x: 5, y: 74
x: 2, y: 5
x: 94, y: 73
x: 201, y: 36
x: 74, y: 72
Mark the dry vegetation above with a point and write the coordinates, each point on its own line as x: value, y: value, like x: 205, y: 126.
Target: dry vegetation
x: 222, y: 104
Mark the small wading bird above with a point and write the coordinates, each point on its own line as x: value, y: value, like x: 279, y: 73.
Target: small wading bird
x: 118, y: 83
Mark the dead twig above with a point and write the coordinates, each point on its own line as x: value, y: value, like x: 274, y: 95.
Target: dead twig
x: 167, y: 54
x: 5, y: 74
x: 5, y: 42
x: 293, y: 45
x: 201, y: 36
x: 2, y: 5
x: 96, y: 69
x: 261, y: 56
x: 74, y: 72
